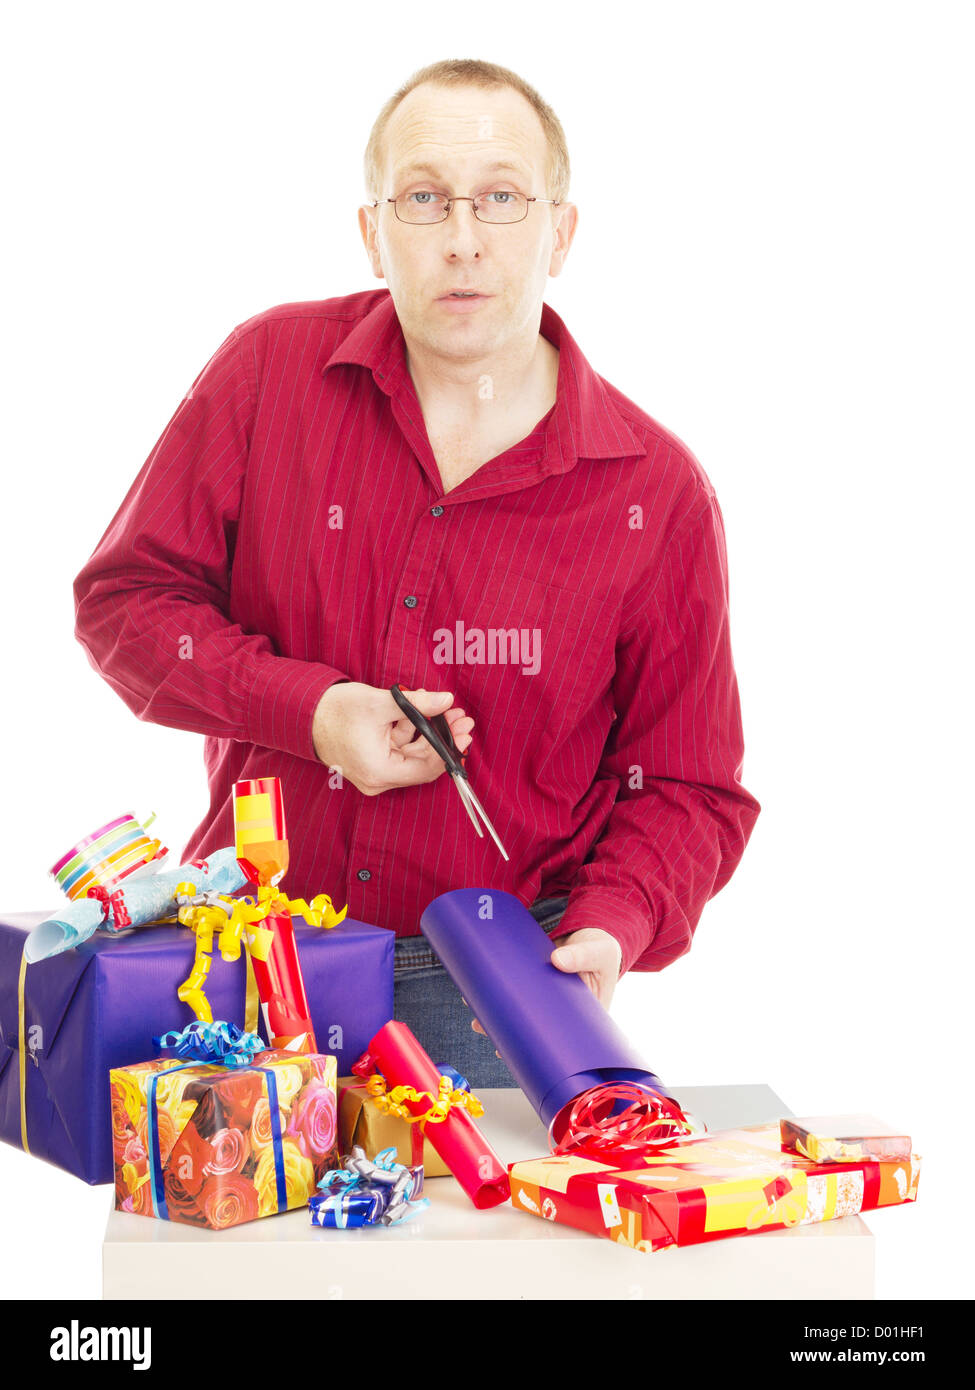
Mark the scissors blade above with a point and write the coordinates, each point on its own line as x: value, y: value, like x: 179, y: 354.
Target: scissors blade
x: 467, y: 792
x: 461, y: 786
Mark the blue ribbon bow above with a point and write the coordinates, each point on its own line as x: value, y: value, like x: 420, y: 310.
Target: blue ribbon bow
x: 367, y: 1191
x: 225, y: 1044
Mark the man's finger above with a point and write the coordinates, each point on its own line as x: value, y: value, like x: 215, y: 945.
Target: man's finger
x: 478, y: 1029
x: 402, y: 732
x: 573, y: 959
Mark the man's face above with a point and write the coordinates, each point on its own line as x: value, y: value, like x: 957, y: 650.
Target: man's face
x: 460, y: 133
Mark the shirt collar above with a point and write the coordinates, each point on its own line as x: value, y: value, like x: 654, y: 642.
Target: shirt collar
x: 585, y: 422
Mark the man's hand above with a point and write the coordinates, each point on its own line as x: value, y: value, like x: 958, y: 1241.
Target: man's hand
x: 361, y: 731
x: 591, y: 953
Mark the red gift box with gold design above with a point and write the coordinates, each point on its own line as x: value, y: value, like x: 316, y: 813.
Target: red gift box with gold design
x: 731, y: 1182
x: 214, y: 1145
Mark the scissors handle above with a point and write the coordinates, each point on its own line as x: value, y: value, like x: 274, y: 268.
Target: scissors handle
x: 436, y: 731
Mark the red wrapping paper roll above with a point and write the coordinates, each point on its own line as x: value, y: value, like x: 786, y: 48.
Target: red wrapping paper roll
x: 457, y: 1139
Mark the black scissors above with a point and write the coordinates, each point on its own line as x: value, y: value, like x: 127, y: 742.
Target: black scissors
x: 437, y: 732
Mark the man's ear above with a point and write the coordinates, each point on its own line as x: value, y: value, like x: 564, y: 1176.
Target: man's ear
x: 565, y: 229
x: 370, y: 239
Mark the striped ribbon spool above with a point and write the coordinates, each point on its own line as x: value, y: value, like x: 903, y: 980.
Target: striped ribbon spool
x: 108, y: 855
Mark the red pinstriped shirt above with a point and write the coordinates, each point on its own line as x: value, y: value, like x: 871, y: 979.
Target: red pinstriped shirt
x: 290, y: 529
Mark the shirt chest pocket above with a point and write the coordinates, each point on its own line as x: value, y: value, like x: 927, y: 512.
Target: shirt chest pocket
x: 523, y: 654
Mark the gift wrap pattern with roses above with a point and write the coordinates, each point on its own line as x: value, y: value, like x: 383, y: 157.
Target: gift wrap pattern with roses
x: 215, y: 1136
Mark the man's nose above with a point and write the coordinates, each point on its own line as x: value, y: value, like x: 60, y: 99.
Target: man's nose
x: 462, y: 232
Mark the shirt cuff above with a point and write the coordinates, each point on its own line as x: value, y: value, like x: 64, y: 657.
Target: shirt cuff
x: 282, y: 702
x: 611, y: 912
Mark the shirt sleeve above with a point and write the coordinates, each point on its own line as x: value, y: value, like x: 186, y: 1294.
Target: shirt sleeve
x: 152, y: 602
x: 681, y: 819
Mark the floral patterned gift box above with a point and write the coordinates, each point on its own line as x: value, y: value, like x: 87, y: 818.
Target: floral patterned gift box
x: 212, y: 1145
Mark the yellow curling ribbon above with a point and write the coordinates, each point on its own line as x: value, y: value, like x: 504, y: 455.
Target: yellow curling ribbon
x: 237, y: 920
x: 392, y: 1102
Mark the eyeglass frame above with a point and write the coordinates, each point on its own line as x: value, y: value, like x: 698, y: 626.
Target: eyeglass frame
x: 449, y: 206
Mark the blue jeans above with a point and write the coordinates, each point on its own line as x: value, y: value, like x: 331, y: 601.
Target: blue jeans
x: 428, y: 1001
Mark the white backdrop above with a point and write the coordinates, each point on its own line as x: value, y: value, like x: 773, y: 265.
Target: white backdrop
x: 773, y: 259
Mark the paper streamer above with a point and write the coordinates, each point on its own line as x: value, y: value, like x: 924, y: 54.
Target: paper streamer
x: 554, y: 1035
x: 403, y: 1062
x: 140, y: 901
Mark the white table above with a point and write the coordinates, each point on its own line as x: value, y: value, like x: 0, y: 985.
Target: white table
x: 453, y: 1251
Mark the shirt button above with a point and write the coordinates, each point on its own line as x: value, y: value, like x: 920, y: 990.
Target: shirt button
x: 437, y: 510
x: 364, y: 874
x: 411, y: 600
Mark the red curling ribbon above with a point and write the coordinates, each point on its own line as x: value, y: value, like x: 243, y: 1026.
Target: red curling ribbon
x: 620, y: 1117
x: 114, y: 910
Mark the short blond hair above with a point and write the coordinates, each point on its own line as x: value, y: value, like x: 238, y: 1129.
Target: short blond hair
x: 472, y: 72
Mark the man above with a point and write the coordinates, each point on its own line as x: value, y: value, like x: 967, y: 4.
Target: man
x: 431, y: 485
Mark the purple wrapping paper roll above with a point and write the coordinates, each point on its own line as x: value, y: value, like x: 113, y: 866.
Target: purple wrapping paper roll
x: 554, y: 1035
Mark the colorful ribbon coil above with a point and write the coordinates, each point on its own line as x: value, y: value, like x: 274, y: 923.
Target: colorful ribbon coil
x: 102, y: 859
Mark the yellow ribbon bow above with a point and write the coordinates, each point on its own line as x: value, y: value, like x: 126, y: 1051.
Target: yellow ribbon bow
x: 391, y: 1102
x: 238, y: 921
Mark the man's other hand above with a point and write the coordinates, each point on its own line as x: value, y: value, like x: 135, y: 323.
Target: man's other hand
x: 593, y: 954
x: 361, y: 731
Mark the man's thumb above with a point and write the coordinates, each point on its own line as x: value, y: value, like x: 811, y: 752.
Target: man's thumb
x: 564, y: 958
x: 432, y: 701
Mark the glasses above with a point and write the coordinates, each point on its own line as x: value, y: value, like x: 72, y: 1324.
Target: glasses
x: 498, y: 206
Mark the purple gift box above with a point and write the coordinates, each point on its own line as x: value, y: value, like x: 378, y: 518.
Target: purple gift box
x: 99, y: 1005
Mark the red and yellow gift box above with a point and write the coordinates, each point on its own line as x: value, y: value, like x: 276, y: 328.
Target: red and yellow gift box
x: 212, y: 1145
x: 843, y: 1138
x: 731, y: 1182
